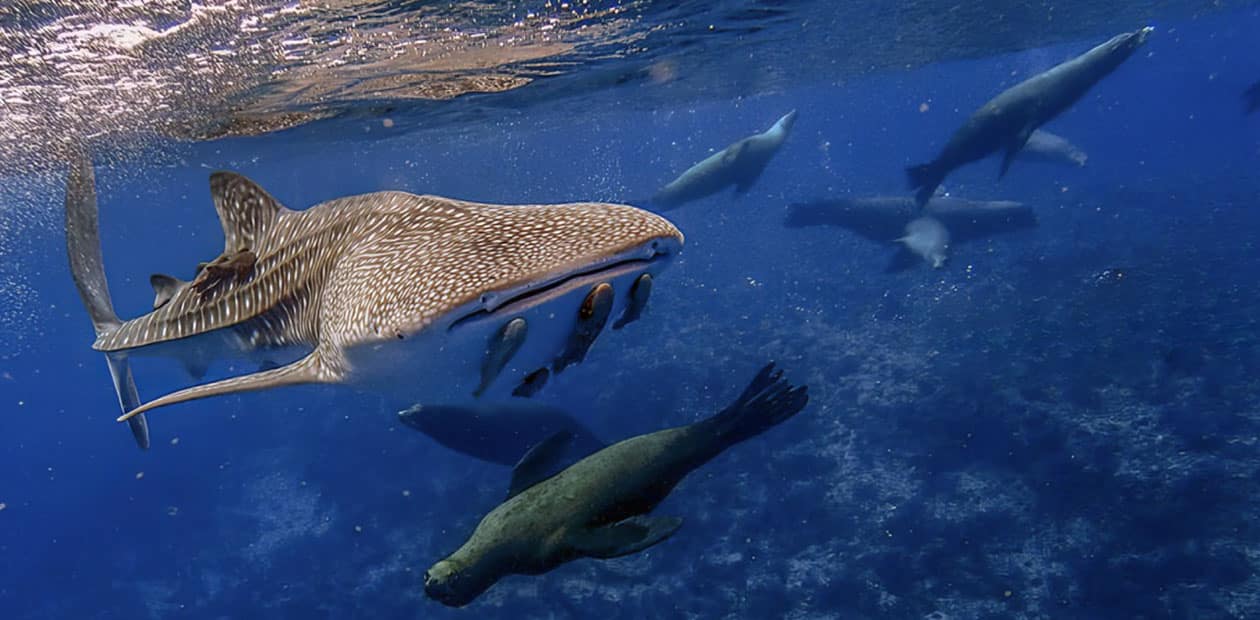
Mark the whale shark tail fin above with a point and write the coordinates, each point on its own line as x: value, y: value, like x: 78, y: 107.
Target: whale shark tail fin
x: 768, y: 401
x: 924, y: 179
x: 83, y: 245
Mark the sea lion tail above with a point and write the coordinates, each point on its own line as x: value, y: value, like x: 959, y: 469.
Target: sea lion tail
x: 768, y: 401
x: 924, y: 178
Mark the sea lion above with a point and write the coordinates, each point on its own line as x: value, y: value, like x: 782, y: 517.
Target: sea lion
x: 1009, y: 119
x: 1251, y: 99
x: 1044, y: 146
x: 928, y: 238
x: 739, y: 164
x: 883, y: 219
x: 498, y: 433
x: 598, y: 506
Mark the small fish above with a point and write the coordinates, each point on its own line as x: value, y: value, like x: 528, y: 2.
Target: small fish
x: 639, y: 294
x: 532, y: 383
x: 499, y: 351
x: 592, y: 317
x: 229, y: 269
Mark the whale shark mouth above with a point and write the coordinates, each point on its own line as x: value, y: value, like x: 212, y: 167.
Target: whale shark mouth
x: 519, y: 299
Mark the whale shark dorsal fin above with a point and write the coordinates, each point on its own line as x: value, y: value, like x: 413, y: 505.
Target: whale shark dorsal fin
x: 164, y: 288
x: 624, y: 537
x: 245, y: 210
x: 537, y: 464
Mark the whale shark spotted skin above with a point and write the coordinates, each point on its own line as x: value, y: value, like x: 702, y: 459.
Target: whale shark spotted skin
x: 388, y: 291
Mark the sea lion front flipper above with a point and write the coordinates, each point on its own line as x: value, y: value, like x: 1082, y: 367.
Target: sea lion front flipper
x: 164, y: 288
x: 1013, y: 148
x: 624, y: 537
x: 538, y: 464
x: 733, y: 152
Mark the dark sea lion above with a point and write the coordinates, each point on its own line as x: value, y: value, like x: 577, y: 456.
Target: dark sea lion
x: 884, y: 219
x: 738, y: 165
x: 598, y: 507
x: 1251, y: 99
x: 498, y: 433
x: 1007, y: 121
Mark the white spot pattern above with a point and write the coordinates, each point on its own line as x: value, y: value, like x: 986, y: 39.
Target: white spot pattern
x: 383, y: 265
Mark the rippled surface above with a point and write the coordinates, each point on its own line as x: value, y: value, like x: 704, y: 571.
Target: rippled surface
x: 121, y: 73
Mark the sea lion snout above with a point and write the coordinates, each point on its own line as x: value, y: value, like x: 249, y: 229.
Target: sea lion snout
x: 441, y: 583
x: 787, y: 121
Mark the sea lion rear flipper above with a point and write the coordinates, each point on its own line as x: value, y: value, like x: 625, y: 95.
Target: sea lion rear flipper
x: 624, y: 537
x: 538, y: 463
x: 1014, y: 147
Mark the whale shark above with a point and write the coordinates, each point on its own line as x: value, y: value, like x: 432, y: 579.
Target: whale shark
x: 387, y: 292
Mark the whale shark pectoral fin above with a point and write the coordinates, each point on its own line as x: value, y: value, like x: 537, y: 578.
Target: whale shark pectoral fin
x: 314, y: 368
x: 539, y: 462
x: 624, y: 537
x: 1014, y: 147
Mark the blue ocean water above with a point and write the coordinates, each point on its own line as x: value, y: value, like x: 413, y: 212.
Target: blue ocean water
x: 1007, y: 437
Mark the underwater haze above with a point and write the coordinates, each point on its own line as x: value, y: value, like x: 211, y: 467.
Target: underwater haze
x: 1061, y: 421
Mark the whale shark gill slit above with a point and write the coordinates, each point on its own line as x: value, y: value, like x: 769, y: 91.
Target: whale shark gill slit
x: 522, y: 300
